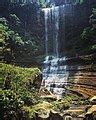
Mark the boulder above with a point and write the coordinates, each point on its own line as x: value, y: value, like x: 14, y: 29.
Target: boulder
x: 46, y: 94
x: 55, y: 116
x: 37, y: 81
x: 93, y: 100
x: 67, y: 117
x: 91, y: 110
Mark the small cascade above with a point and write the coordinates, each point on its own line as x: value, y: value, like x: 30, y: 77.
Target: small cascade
x: 55, y: 74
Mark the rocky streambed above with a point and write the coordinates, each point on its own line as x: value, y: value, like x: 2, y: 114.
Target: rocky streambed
x: 78, y: 101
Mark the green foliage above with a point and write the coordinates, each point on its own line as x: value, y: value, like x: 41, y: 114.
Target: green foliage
x: 14, y: 22
x: 94, y: 47
x: 93, y: 18
x: 43, y: 3
x: 19, y: 75
x: 39, y: 1
x: 17, y: 90
x: 3, y: 30
x: 29, y: 111
x: 9, y: 99
x: 78, y: 1
x: 3, y: 21
x: 15, y: 47
x: 86, y: 33
x: 44, y: 108
x: 15, y: 19
x: 7, y: 38
x: 18, y: 40
x: 83, y: 102
x: 89, y: 34
x: 10, y: 105
x: 61, y: 105
x: 20, y: 80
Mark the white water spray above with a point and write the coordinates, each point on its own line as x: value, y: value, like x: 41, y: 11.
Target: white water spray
x: 55, y: 75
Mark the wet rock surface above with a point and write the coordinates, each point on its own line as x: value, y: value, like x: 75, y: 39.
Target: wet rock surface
x: 82, y: 82
x: 77, y: 73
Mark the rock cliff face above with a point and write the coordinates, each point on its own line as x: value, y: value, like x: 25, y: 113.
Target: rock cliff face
x: 81, y: 76
x: 84, y: 76
x: 81, y: 81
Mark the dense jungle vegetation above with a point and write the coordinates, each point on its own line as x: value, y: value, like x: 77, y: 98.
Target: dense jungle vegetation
x: 22, y: 31
x: 22, y: 44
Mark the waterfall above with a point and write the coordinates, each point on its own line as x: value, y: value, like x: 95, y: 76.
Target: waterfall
x: 56, y: 21
x: 52, y: 24
x: 46, y: 13
x: 55, y: 74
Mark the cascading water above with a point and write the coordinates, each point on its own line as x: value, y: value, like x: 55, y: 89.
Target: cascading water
x: 55, y: 74
x: 52, y: 24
